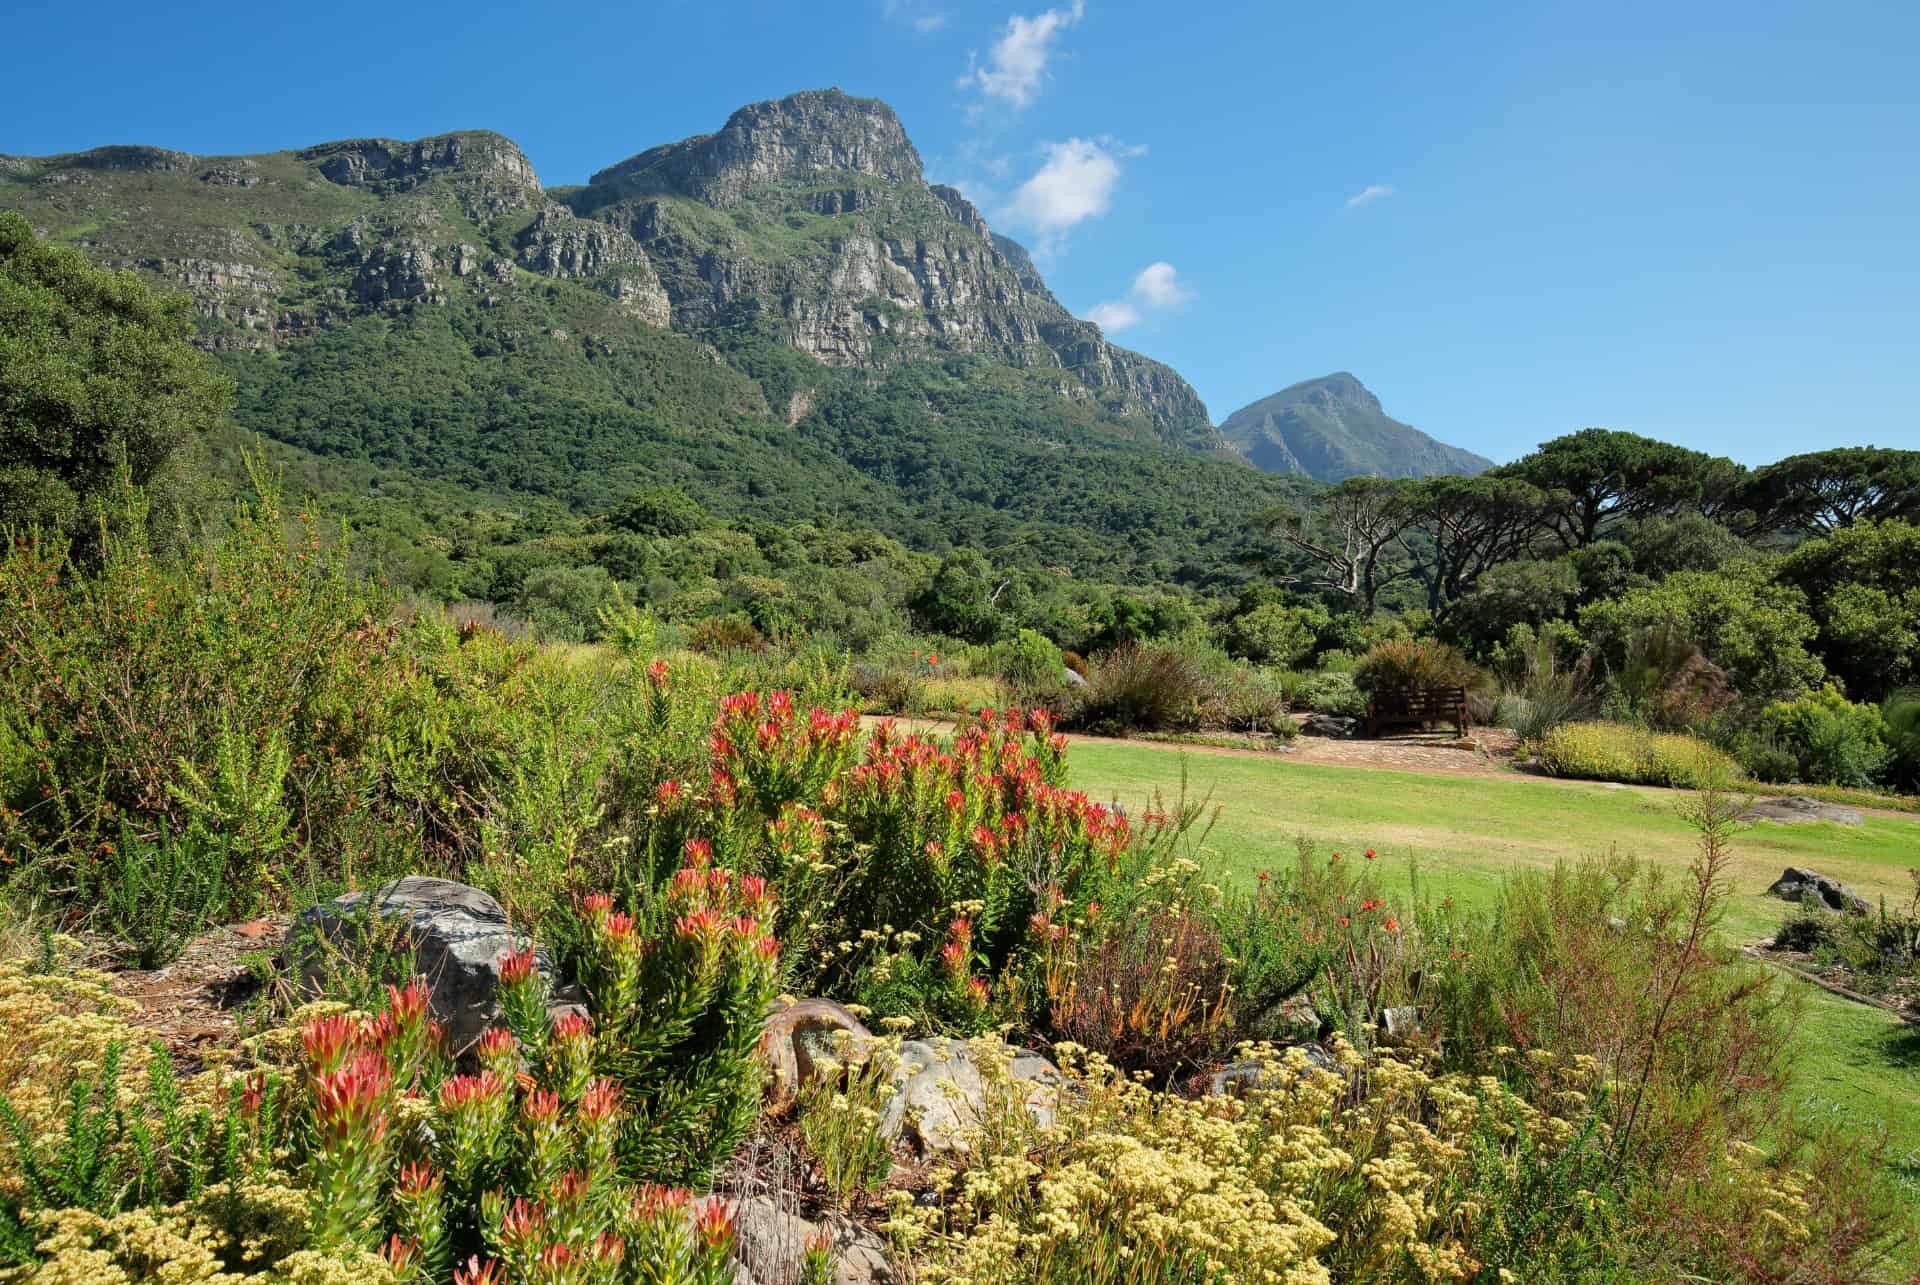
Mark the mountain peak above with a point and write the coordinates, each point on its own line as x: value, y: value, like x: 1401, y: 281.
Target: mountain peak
x: 818, y: 135
x: 1334, y: 427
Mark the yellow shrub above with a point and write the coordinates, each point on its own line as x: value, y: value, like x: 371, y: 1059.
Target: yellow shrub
x: 1633, y: 755
x: 54, y: 1030
x: 1292, y: 1184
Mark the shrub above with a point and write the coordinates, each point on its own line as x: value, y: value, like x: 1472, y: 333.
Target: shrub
x: 1632, y: 756
x: 1275, y: 634
x: 1147, y: 987
x: 1030, y: 662
x: 1901, y: 714
x: 1144, y: 688
x: 158, y: 893
x: 1415, y: 663
x: 1334, y: 693
x: 718, y: 635
x: 1545, y: 695
x: 1827, y: 739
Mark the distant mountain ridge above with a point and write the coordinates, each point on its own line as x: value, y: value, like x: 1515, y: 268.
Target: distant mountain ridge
x: 1333, y: 428
x: 783, y: 317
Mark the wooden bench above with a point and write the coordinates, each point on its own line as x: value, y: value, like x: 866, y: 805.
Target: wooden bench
x: 1417, y: 707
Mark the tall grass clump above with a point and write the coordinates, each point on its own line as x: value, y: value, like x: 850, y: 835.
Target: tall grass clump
x: 1142, y: 687
x: 1600, y: 751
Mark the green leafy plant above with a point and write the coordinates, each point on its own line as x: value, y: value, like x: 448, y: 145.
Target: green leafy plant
x: 161, y: 892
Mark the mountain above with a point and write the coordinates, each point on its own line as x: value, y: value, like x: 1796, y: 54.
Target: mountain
x: 1332, y: 428
x: 783, y: 317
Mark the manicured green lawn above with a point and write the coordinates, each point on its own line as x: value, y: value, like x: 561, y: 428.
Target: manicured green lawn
x: 1464, y: 833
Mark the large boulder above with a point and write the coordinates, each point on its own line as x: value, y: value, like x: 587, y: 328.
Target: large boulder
x: 1797, y: 809
x: 768, y: 1242
x: 1797, y: 884
x: 1332, y: 726
x: 1237, y: 1079
x: 941, y: 1093
x: 798, y: 1035
x: 449, y: 933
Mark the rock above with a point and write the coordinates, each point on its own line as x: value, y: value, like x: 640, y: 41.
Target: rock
x: 1236, y: 1079
x: 1798, y: 808
x: 1796, y: 884
x: 796, y: 1036
x: 1400, y: 1025
x: 1072, y: 679
x: 1331, y: 725
x: 453, y: 935
x: 768, y: 1242
x: 940, y: 1093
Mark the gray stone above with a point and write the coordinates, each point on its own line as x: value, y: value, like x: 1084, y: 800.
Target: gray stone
x: 1797, y: 884
x: 449, y: 933
x: 1331, y: 725
x: 940, y: 1093
x: 1072, y: 679
x: 768, y: 1242
x: 1797, y: 809
x: 1237, y: 1079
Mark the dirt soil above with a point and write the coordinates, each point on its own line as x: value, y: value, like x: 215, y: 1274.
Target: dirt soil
x: 195, y: 1005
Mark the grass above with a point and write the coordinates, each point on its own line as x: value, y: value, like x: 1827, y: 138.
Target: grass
x: 1462, y: 834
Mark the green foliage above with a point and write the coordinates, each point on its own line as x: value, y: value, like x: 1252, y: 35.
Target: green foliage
x: 1334, y: 692
x: 1825, y: 491
x: 661, y: 510
x: 1275, y: 634
x: 1823, y: 738
x: 1632, y: 756
x: 1599, y: 477
x: 1030, y: 662
x: 1756, y: 629
x: 98, y: 374
x: 1901, y: 714
x: 1862, y: 585
x: 159, y: 893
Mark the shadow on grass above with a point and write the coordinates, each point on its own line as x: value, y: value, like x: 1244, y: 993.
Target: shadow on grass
x: 1900, y: 1046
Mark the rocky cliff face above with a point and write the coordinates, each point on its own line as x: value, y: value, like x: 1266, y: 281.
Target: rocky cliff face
x: 808, y: 218
x: 814, y: 214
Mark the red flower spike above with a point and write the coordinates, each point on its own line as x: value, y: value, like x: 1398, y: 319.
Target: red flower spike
x: 516, y: 967
x: 476, y: 1272
x: 714, y: 1224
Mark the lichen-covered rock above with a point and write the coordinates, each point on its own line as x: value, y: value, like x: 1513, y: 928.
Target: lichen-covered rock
x: 1236, y: 1079
x: 449, y: 933
x: 941, y: 1092
x: 768, y: 1242
x: 1796, y: 809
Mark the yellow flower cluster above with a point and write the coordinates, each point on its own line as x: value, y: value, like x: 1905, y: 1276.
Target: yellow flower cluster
x: 1311, y: 1176
x: 229, y: 1235
x: 55, y: 1029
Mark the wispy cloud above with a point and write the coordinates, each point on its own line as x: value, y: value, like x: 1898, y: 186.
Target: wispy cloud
x: 918, y: 14
x: 1073, y: 184
x: 1369, y: 194
x: 1016, y: 66
x: 1156, y: 288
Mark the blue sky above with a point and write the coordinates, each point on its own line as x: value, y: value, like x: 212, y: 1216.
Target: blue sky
x: 1695, y: 219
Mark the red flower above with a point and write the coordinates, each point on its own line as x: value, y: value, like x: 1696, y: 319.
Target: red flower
x: 1393, y: 925
x: 1369, y: 854
x: 1343, y: 921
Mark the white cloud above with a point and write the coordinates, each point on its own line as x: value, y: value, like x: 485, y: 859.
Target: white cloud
x: 1017, y: 64
x: 1156, y: 287
x: 918, y: 14
x: 1114, y: 316
x: 1073, y: 184
x: 1369, y: 194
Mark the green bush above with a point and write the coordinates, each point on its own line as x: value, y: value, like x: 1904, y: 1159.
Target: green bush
x: 1275, y: 634
x: 1633, y: 756
x: 1029, y: 661
x: 1823, y: 738
x: 1901, y: 713
x: 1334, y: 693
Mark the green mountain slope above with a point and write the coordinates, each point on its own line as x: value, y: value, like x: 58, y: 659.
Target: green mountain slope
x: 782, y: 317
x: 1333, y: 428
